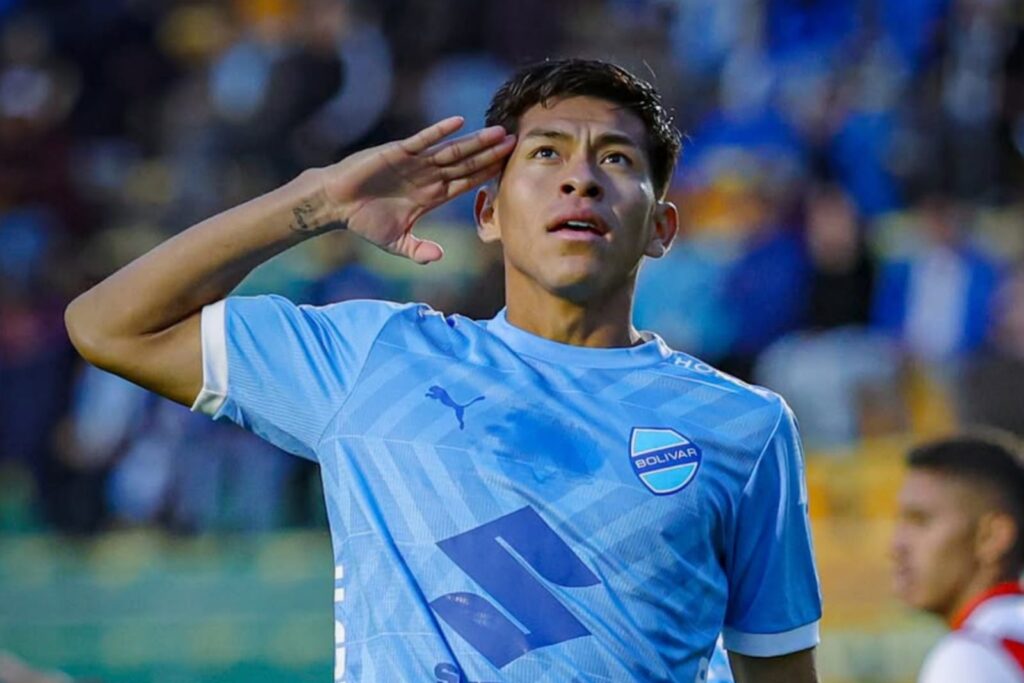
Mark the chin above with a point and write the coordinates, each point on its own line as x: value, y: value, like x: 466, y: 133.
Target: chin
x: 580, y: 289
x: 923, y: 603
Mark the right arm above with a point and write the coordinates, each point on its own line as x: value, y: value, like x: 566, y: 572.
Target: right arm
x: 143, y: 322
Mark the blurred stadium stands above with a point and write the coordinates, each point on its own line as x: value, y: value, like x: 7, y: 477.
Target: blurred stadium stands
x: 852, y: 193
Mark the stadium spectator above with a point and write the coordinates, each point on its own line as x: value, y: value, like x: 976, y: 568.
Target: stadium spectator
x: 958, y: 552
x: 989, y: 386
x: 834, y: 370
x: 937, y: 302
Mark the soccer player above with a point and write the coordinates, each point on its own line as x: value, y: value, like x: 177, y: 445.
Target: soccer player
x: 959, y: 554
x: 547, y: 496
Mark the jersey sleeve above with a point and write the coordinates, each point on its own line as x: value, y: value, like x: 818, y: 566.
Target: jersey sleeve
x: 958, y: 658
x: 774, y: 603
x: 282, y: 371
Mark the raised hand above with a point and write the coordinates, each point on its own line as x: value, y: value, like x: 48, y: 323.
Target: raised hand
x: 380, y: 193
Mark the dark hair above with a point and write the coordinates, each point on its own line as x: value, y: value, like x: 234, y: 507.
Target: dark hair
x: 992, y: 459
x: 542, y: 82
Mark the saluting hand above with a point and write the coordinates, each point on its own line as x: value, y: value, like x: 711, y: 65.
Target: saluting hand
x: 380, y: 193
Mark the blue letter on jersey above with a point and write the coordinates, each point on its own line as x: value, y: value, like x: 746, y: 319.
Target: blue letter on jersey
x: 493, y: 555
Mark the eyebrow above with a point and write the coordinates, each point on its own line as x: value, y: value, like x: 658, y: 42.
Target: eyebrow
x: 602, y: 140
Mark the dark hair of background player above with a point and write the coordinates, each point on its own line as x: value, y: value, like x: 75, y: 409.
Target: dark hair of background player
x: 993, y: 462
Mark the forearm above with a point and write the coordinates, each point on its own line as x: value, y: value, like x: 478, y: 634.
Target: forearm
x: 798, y: 667
x: 202, y: 264
x: 143, y: 322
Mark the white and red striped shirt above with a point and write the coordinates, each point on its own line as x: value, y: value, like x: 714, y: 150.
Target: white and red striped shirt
x: 986, y: 644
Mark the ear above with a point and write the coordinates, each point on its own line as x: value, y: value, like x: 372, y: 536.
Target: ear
x: 485, y: 213
x: 996, y: 535
x: 666, y: 226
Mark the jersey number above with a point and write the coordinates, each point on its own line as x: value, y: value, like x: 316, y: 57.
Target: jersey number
x: 508, y: 557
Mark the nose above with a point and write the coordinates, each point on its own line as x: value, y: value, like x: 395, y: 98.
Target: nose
x: 582, y: 182
x: 898, y: 543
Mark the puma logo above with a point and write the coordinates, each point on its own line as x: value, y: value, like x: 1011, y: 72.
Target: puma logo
x: 439, y: 394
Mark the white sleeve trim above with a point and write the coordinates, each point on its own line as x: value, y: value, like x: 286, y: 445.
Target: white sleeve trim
x: 771, y: 644
x: 215, y: 360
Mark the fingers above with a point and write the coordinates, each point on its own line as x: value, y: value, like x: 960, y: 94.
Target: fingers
x: 466, y: 183
x: 461, y: 147
x: 415, y: 249
x: 483, y: 159
x: 426, y: 251
x: 431, y: 135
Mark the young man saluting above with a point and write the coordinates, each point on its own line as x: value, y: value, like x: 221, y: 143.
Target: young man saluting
x: 550, y: 495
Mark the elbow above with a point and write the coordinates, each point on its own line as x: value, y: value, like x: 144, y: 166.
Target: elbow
x: 84, y: 331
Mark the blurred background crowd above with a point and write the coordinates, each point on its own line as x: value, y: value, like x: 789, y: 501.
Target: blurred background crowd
x: 851, y: 189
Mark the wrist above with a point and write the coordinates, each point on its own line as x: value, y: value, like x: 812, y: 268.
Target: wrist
x: 311, y: 210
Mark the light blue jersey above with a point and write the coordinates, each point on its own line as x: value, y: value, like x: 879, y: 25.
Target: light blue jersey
x: 508, y: 508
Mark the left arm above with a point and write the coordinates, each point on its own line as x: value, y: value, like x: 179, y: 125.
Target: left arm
x: 771, y: 623
x: 796, y: 667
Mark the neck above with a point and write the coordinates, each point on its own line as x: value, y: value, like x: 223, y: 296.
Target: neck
x: 606, y: 323
x: 974, y: 593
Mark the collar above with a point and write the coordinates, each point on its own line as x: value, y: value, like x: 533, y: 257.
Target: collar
x: 999, y: 590
x: 526, y: 343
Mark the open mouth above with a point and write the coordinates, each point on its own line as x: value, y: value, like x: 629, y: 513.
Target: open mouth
x: 579, y: 228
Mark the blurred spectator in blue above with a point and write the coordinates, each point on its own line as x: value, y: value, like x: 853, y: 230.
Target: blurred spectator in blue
x: 977, y: 45
x: 862, y: 152
x: 35, y: 356
x: 704, y: 33
x: 679, y: 295
x: 345, y: 276
x: 937, y: 300
x: 989, y: 388
x: 746, y: 119
x: 830, y: 369
x: 841, y: 285
x: 764, y: 288
x: 105, y: 414
x: 138, y: 459
x: 37, y: 93
x: 362, y: 103
x: 810, y: 27
x: 277, y: 77
x: 913, y: 28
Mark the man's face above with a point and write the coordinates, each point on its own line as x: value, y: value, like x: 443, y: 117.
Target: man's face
x: 933, y: 547
x: 576, y: 209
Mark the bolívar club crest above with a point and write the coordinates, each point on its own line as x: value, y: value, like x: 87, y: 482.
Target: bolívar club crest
x: 663, y: 459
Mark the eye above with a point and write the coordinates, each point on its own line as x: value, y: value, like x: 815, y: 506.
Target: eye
x: 544, y: 153
x: 617, y: 158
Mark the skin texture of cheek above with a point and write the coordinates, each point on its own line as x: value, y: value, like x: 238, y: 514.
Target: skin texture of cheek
x: 945, y: 566
x: 575, y: 270
x: 566, y: 167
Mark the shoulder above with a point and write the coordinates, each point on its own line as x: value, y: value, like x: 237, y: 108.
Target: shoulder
x: 1000, y: 620
x: 965, y: 656
x: 758, y: 409
x: 356, y: 316
x: 370, y: 312
x: 410, y: 327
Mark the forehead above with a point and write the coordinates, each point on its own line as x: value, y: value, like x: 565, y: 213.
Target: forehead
x: 581, y: 115
x: 925, y: 489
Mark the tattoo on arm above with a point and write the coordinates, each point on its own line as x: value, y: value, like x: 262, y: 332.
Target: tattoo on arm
x: 308, y: 218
